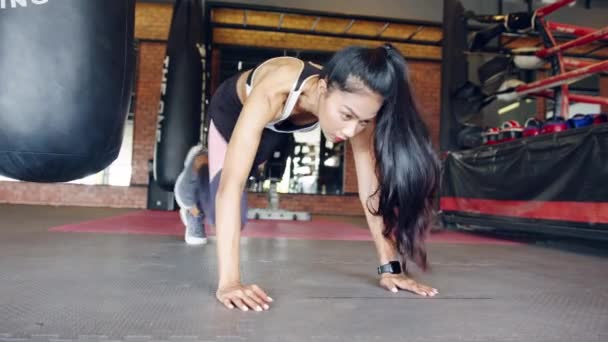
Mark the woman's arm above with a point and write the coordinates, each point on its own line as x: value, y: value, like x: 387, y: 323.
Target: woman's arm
x: 261, y: 106
x: 367, y: 181
x: 258, y: 109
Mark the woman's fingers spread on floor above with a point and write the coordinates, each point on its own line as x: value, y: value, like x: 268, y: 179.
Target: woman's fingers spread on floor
x: 251, y: 303
x: 395, y: 282
x: 262, y: 295
x: 244, y: 297
x: 239, y: 304
x: 227, y: 303
x: 262, y: 305
x: 417, y: 288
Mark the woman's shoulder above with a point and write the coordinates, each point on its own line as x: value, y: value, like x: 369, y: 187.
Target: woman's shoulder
x: 283, y: 61
x: 292, y: 64
x: 278, y: 70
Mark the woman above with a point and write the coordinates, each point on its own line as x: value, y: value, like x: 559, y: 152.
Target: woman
x: 362, y: 95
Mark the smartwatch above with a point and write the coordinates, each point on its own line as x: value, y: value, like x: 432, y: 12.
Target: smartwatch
x: 393, y: 267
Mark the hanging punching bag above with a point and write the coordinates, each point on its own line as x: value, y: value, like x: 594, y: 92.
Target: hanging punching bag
x: 66, y: 72
x: 179, y: 117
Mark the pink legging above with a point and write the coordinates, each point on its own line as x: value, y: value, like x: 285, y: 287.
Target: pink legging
x: 217, y: 154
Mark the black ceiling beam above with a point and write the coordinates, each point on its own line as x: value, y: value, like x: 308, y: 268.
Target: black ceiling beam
x: 381, y: 31
x: 265, y: 8
x: 329, y: 34
x: 418, y: 30
x: 310, y: 51
x: 314, y: 25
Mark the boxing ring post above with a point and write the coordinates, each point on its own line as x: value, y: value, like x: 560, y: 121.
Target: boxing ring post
x: 562, y: 79
x: 586, y: 39
x: 562, y: 94
x: 574, y: 97
x: 570, y: 29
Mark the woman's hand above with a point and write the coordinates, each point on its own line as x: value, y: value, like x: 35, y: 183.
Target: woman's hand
x: 394, y: 282
x: 244, y: 297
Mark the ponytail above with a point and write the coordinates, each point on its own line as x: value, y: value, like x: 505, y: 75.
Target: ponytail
x: 407, y: 167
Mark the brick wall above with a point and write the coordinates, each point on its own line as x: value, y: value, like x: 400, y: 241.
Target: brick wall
x: 350, y: 174
x: 151, y: 56
x: 152, y: 27
x: 73, y: 194
x: 425, y: 78
x: 348, y: 205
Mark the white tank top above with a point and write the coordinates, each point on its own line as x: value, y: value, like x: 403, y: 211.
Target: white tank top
x: 292, y: 99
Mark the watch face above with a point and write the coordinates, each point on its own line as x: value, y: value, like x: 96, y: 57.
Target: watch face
x: 392, y: 267
x: 395, y: 268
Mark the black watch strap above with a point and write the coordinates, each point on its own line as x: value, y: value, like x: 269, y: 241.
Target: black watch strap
x: 393, y: 267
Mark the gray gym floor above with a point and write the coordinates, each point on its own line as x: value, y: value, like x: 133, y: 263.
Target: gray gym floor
x: 104, y: 287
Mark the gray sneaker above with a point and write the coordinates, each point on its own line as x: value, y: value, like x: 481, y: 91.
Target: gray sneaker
x: 195, y: 232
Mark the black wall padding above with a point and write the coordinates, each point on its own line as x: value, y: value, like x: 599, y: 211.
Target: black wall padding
x: 179, y: 118
x: 454, y: 72
x: 568, y: 166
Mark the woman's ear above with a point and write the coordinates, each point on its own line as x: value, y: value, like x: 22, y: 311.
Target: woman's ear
x: 322, y: 86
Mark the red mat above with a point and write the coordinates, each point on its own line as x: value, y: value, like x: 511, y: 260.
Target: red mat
x: 168, y: 223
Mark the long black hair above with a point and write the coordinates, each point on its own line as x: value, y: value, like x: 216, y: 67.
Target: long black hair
x: 407, y: 167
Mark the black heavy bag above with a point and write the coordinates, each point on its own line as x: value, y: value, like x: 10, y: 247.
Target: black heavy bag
x: 179, y: 117
x: 66, y: 74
